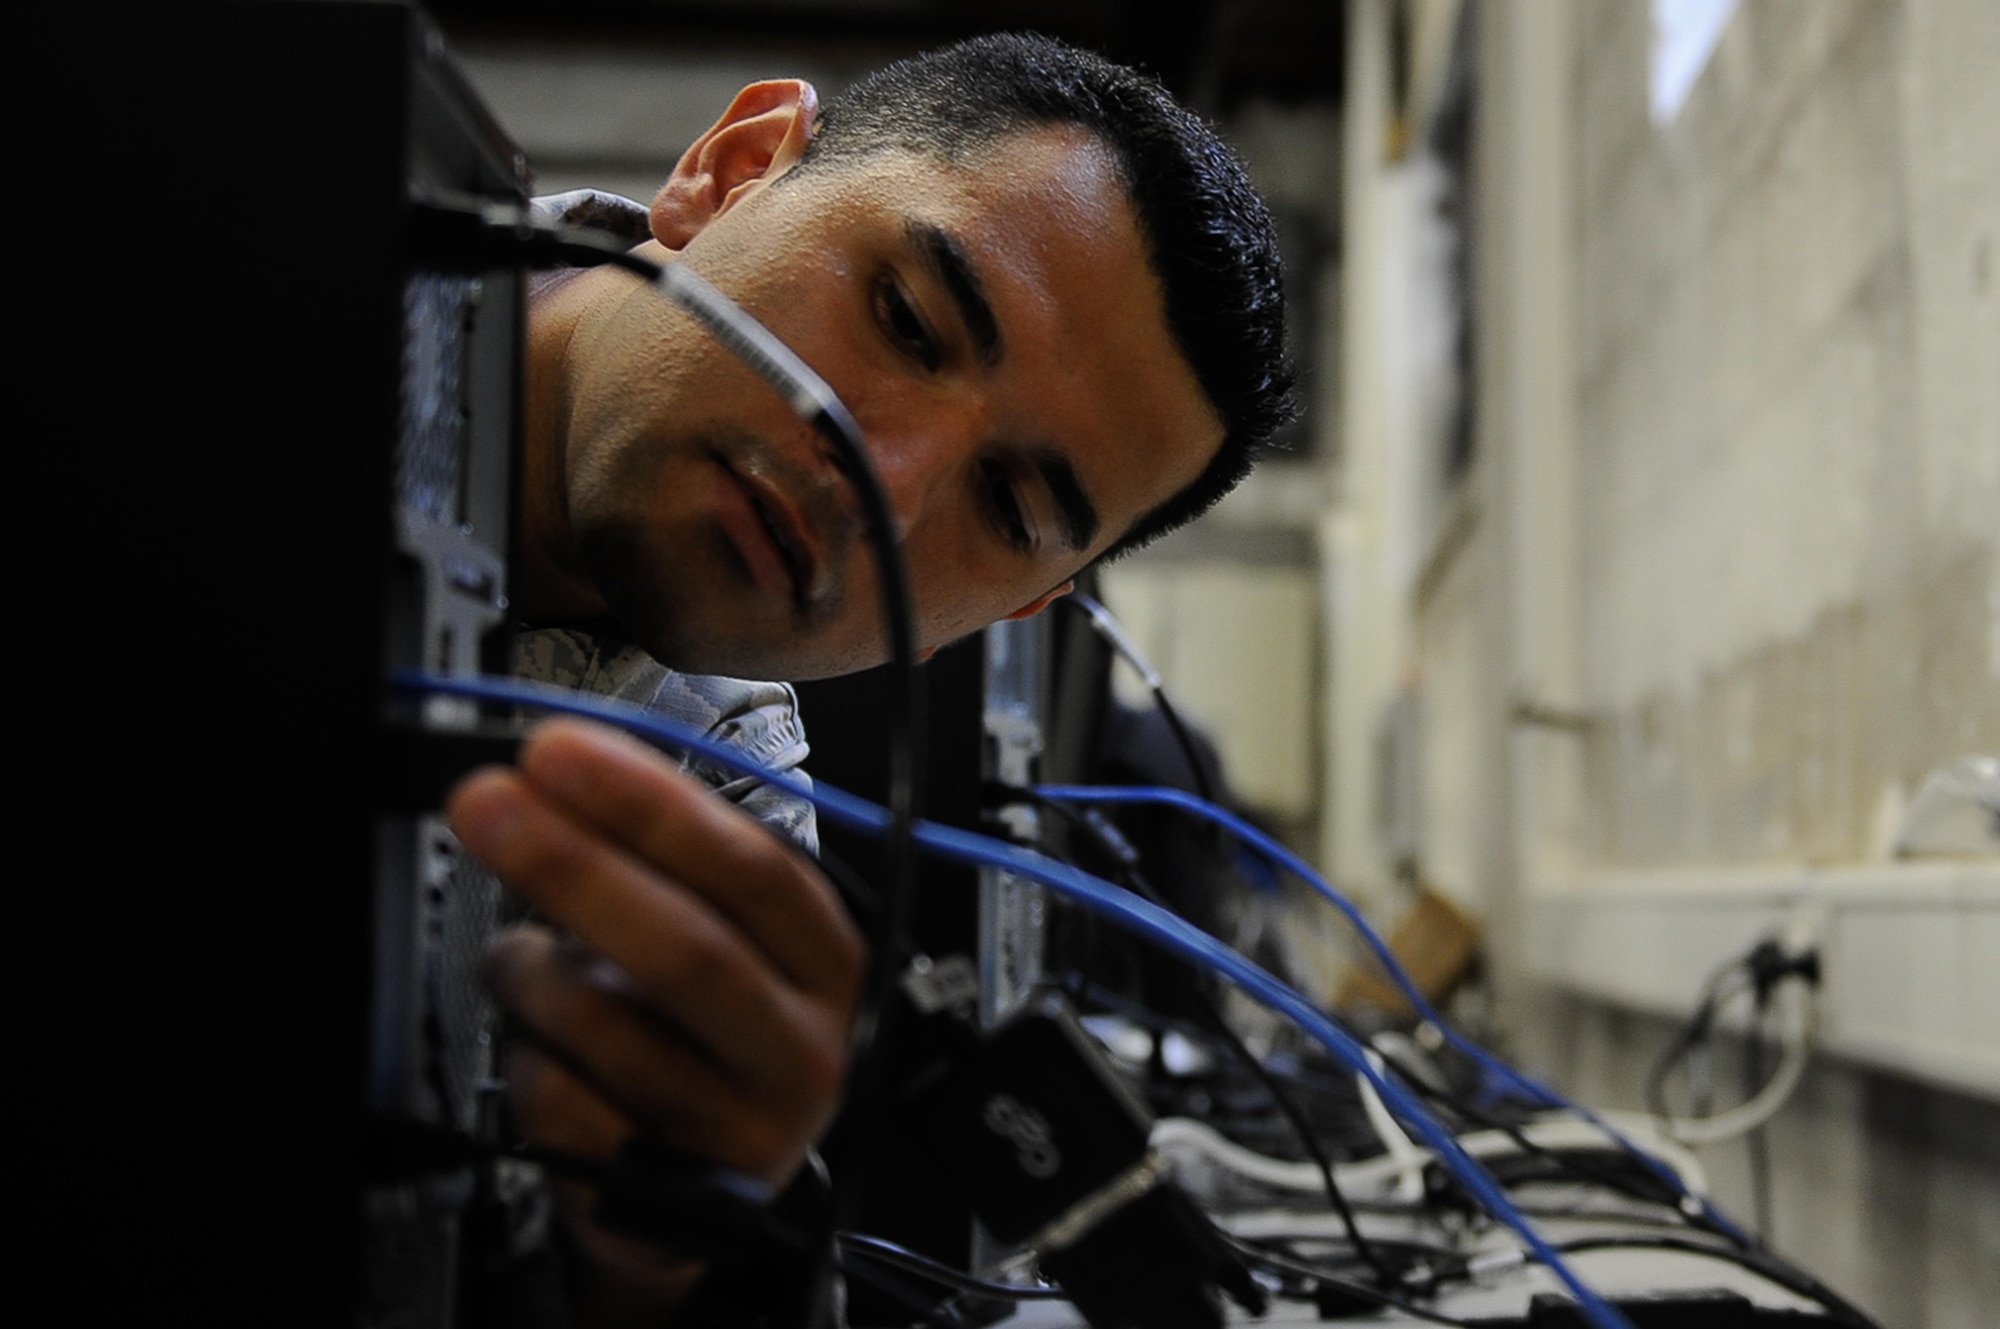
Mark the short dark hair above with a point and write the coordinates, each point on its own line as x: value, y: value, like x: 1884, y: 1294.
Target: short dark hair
x: 1208, y: 233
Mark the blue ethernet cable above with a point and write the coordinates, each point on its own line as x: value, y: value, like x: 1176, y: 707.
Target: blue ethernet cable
x: 1136, y: 914
x: 1537, y: 1094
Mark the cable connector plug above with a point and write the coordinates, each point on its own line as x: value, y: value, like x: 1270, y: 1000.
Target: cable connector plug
x: 1770, y: 963
x: 1050, y: 1147
x: 467, y: 234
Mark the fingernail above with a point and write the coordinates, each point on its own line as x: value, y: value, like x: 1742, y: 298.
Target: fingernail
x: 482, y: 812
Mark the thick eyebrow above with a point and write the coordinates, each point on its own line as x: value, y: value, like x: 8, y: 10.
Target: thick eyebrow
x: 1079, y: 514
x: 947, y: 260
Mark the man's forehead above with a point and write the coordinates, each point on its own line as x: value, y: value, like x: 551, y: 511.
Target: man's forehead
x: 1067, y: 153
x: 973, y: 150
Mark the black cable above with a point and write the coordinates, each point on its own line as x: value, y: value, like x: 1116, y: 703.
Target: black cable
x: 1756, y: 1144
x: 863, y: 900
x: 1710, y: 1219
x: 1571, y: 1162
x: 1445, y: 1262
x: 1641, y: 1184
x: 481, y: 234
x: 1760, y: 969
x: 1374, y: 1296
x: 1693, y: 1034
x: 1291, y: 1112
x: 1757, y: 1260
x: 1114, y: 635
x: 927, y: 1310
x: 902, y: 1257
x: 1212, y: 1017
x: 889, y: 943
x: 1340, y: 1094
x: 476, y: 234
x: 1113, y: 902
x: 701, y: 1202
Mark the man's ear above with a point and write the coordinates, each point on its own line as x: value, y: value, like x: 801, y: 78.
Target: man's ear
x: 764, y: 131
x: 1037, y: 605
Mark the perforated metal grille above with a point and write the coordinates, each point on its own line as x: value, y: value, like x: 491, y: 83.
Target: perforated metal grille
x: 437, y: 313
x: 461, y: 910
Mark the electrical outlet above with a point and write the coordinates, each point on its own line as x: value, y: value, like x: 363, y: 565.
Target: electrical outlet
x: 1806, y: 926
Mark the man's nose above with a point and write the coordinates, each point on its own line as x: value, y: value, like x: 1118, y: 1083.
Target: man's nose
x: 924, y: 461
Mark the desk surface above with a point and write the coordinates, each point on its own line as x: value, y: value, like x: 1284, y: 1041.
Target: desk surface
x: 1616, y: 1273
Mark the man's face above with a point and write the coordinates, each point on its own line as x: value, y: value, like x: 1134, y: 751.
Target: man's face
x: 1001, y: 340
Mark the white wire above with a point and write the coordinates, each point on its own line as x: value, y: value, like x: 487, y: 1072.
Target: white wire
x: 1278, y: 854
x: 1798, y: 1003
x: 1408, y: 1158
x: 1376, y: 1176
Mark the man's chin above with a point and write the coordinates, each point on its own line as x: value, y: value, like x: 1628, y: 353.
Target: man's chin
x: 789, y: 662
x: 736, y: 650
x: 701, y: 613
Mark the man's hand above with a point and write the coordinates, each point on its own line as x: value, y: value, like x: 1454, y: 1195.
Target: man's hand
x: 697, y: 983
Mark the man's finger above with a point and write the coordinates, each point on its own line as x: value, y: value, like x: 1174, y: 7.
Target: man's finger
x: 575, y: 1001
x: 692, y: 965
x: 557, y: 1110
x: 765, y: 887
x: 560, y: 1112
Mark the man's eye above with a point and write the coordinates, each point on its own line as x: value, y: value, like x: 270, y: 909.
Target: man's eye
x: 1003, y: 503
x: 899, y: 321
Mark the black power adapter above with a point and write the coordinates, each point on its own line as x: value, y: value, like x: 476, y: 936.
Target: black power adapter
x: 1051, y: 1147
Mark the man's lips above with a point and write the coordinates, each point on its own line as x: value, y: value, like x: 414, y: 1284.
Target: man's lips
x: 772, y: 536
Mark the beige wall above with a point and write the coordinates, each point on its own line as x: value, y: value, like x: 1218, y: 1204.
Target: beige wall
x: 1719, y: 589
x: 1788, y: 405
x: 1723, y: 582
